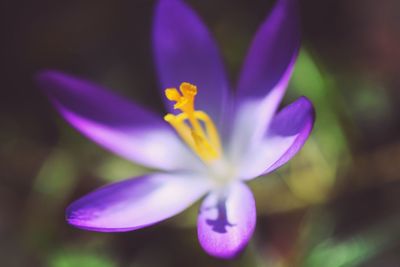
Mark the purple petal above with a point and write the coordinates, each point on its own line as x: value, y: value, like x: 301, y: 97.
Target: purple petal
x: 226, y: 221
x: 136, y: 202
x: 252, y: 120
x: 265, y: 75
x: 272, y: 52
x: 287, y: 134
x: 113, y: 122
x: 185, y: 52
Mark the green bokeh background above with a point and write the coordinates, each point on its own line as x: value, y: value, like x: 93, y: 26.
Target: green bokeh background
x: 335, y: 204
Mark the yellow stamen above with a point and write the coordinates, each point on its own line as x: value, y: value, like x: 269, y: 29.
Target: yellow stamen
x: 195, y: 127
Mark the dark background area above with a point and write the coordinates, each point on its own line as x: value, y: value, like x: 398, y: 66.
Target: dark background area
x: 342, y: 204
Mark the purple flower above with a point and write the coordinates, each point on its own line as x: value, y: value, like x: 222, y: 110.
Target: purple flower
x: 210, y: 143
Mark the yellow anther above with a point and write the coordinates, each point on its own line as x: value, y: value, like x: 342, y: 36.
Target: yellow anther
x: 172, y: 94
x: 195, y: 127
x: 184, y: 99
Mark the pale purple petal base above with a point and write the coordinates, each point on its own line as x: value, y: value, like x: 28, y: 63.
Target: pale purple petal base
x: 136, y: 202
x: 287, y: 133
x: 296, y: 119
x: 226, y: 221
x: 253, y: 117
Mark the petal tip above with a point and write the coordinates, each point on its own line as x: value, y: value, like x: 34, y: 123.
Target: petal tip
x: 46, y: 79
x: 46, y: 74
x: 225, y: 253
x: 226, y: 224
x: 308, y: 104
x: 84, y: 219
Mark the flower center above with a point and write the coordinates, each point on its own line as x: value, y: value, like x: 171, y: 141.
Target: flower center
x: 195, y: 127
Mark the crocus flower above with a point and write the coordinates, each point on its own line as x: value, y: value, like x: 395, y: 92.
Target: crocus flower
x: 211, y: 141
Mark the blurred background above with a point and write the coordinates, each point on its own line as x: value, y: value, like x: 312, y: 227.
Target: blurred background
x: 335, y: 204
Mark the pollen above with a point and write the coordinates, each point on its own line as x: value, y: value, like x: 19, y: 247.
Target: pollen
x: 195, y: 127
